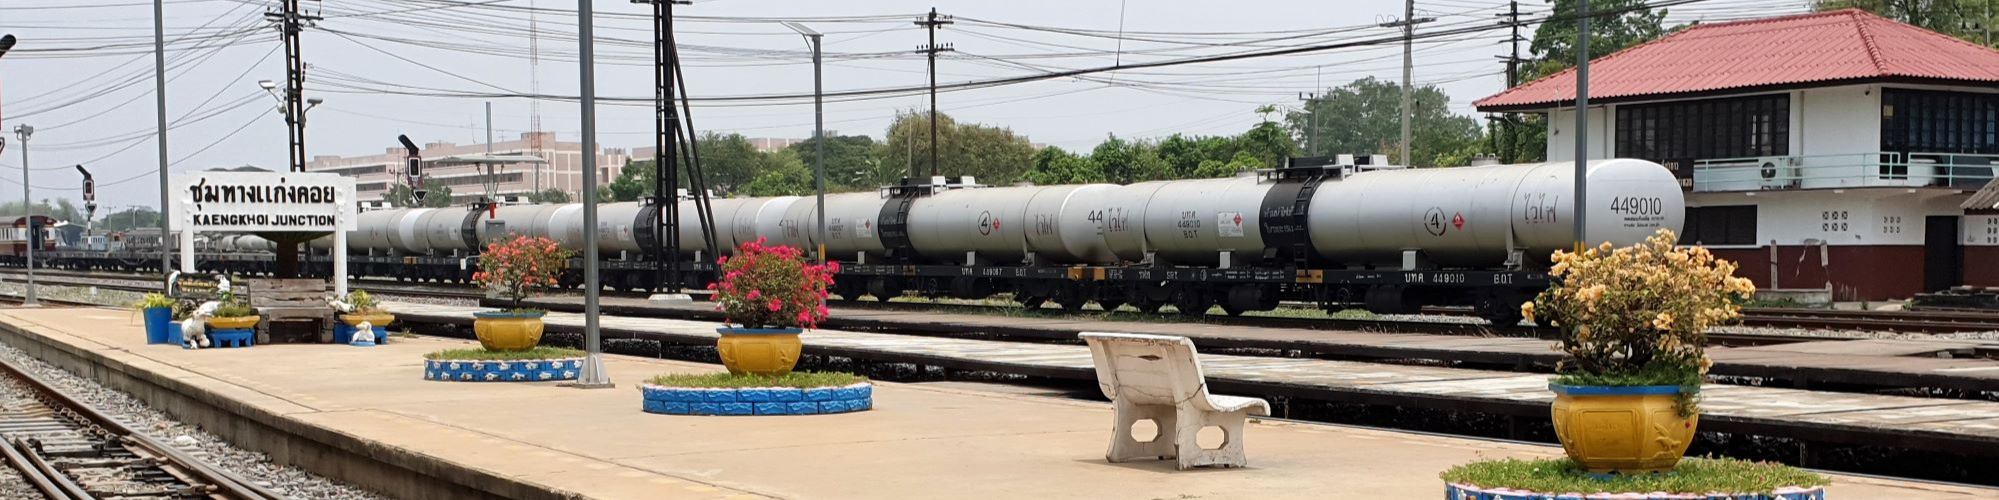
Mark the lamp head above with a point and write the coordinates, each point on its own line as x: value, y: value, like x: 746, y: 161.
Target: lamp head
x: 314, y: 101
x: 267, y: 84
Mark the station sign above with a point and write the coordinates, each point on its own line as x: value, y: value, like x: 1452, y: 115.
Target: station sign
x: 262, y: 201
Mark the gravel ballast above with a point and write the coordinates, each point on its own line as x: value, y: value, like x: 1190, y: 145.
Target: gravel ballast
x: 293, y: 482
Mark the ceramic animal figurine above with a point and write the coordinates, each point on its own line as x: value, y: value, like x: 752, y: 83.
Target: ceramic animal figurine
x: 364, y: 335
x: 194, y: 329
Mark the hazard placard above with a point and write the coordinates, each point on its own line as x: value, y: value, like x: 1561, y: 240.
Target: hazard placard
x: 1228, y: 224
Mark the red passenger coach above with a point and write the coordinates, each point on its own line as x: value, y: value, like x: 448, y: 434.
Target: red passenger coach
x: 14, y: 237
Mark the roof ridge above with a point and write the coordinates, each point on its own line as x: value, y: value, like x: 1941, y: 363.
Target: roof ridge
x: 1867, y: 40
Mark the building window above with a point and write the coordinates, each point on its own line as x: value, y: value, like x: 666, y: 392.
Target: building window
x: 354, y: 171
x: 1925, y: 121
x: 371, y: 186
x: 1740, y: 127
x: 1730, y: 225
x: 480, y: 179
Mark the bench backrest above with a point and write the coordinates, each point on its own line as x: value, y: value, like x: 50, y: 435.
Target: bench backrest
x: 1147, y: 369
x: 282, y: 293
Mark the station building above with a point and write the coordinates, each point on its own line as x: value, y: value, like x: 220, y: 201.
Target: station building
x: 374, y: 174
x: 1837, y: 150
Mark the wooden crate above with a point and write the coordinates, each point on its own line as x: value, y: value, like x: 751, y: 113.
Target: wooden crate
x: 291, y: 301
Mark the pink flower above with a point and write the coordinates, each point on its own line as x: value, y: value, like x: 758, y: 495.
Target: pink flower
x: 821, y: 310
x: 804, y: 318
x: 754, y: 294
x: 776, y: 305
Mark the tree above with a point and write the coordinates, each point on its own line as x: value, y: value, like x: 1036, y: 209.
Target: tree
x: 849, y: 160
x: 1125, y: 162
x: 1268, y: 143
x: 1953, y: 18
x: 1243, y: 161
x: 1053, y: 166
x: 1554, y: 47
x: 994, y: 155
x: 1369, y: 121
x: 550, y: 195
x: 436, y: 195
x: 780, y: 174
x: 129, y: 218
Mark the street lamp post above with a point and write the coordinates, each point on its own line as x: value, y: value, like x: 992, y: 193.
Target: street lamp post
x: 818, y: 130
x: 23, y: 132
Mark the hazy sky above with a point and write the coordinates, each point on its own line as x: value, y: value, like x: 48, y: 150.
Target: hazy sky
x: 82, y: 73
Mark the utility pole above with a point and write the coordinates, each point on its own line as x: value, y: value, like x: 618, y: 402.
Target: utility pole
x: 593, y: 375
x: 1408, y: 25
x: 818, y: 132
x: 666, y: 167
x: 160, y: 101
x: 24, y: 132
x: 1582, y: 123
x: 290, y: 22
x: 489, y: 130
x: 1311, y: 123
x: 931, y: 22
x: 1513, y: 60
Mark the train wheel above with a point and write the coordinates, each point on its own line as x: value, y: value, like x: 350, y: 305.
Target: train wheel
x: 1031, y: 302
x: 1501, y: 307
x: 1147, y: 306
x: 1110, y: 305
x: 1191, y: 303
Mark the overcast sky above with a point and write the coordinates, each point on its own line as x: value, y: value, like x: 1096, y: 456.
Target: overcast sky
x: 82, y: 72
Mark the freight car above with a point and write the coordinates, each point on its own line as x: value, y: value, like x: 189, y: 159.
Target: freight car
x: 20, y: 231
x: 1387, y: 239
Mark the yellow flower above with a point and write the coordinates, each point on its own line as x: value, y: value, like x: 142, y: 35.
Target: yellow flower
x: 1663, y: 322
x: 1527, y: 310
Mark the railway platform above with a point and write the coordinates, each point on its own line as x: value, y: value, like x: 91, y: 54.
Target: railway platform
x: 364, y: 415
x: 1961, y: 365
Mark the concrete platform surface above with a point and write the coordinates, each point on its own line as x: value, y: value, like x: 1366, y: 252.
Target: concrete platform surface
x: 922, y: 440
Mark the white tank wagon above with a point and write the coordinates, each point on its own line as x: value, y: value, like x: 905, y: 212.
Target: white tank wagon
x: 1473, y: 217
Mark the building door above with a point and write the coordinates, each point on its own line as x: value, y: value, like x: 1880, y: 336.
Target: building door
x: 1943, y: 262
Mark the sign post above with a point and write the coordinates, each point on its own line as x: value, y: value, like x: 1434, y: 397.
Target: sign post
x: 265, y: 202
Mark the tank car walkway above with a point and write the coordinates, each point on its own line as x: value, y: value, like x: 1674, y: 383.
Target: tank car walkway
x: 1944, y: 425
x: 1879, y: 364
x: 536, y: 440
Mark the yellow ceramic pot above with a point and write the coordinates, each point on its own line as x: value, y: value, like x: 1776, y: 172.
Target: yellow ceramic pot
x: 507, y: 331
x: 762, y: 351
x: 232, y: 322
x: 375, y: 319
x: 1623, y: 430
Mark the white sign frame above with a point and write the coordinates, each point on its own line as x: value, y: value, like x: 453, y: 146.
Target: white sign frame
x: 265, y: 202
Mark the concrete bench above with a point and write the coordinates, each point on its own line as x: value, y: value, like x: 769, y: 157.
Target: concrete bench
x: 1158, y: 378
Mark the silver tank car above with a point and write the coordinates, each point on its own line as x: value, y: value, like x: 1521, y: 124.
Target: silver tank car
x: 1464, y: 217
x: 1187, y: 222
x: 853, y: 224
x: 1068, y: 225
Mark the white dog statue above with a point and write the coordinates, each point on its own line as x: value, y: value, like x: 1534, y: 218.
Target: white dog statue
x: 364, y: 335
x: 194, y: 329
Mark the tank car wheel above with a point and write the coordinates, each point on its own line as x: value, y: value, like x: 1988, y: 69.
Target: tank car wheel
x: 1031, y: 302
x: 1192, y: 303
x: 1110, y: 305
x: 1502, y: 308
x: 1231, y: 310
x: 1147, y: 306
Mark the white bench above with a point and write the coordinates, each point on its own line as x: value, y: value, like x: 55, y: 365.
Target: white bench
x: 1158, y: 378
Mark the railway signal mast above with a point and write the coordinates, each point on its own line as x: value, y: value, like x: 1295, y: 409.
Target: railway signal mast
x: 673, y: 144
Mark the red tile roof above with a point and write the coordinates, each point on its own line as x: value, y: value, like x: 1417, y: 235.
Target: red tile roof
x: 1826, y: 47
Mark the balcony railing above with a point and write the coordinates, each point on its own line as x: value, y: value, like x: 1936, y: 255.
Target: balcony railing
x: 1860, y: 170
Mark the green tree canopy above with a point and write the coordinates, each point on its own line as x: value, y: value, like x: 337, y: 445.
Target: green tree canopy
x: 1554, y: 47
x: 850, y: 161
x: 1963, y: 19
x: 436, y: 195
x: 1364, y: 117
x: 995, y: 155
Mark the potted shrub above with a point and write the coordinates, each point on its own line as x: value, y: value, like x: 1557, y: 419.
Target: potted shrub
x: 158, y: 311
x: 232, y: 312
x: 769, y: 294
x: 1634, y: 323
x: 359, y: 307
x: 517, y: 269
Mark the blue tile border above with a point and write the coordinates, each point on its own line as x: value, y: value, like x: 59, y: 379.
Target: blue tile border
x: 756, y: 400
x: 532, y: 370
x: 1464, y: 492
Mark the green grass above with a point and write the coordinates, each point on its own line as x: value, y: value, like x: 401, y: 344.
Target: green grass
x: 801, y: 380
x: 1693, y: 475
x: 485, y: 355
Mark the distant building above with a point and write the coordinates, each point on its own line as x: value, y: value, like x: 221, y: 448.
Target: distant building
x: 1831, y: 150
x: 564, y: 171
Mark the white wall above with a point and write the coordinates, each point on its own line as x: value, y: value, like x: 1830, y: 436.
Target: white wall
x: 1841, y: 217
x: 1562, y: 142
x: 1838, y: 131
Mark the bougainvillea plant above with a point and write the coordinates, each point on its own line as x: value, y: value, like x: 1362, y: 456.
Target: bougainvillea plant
x: 521, y: 267
x: 1639, y: 315
x: 773, y: 287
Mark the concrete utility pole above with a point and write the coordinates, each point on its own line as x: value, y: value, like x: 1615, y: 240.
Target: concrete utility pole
x: 1408, y: 25
x: 932, y: 22
x: 594, y: 376
x: 24, y: 132
x: 818, y: 131
x: 160, y: 98
x: 1582, y: 123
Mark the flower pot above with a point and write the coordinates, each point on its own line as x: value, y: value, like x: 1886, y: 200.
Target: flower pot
x: 232, y: 322
x: 1622, y: 430
x: 157, y: 319
x: 378, y: 319
x: 762, y: 351
x: 508, y: 331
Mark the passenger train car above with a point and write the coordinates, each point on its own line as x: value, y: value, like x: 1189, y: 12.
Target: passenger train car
x: 15, y: 236
x: 1387, y: 239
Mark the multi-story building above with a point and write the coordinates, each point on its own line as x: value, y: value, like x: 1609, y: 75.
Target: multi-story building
x: 1833, y: 150
x: 564, y: 168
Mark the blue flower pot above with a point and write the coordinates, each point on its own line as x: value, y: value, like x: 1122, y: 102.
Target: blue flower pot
x: 173, y: 334
x: 157, y: 319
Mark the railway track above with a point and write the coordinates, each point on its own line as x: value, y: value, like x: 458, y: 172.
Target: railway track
x: 70, y: 450
x: 1825, y: 319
